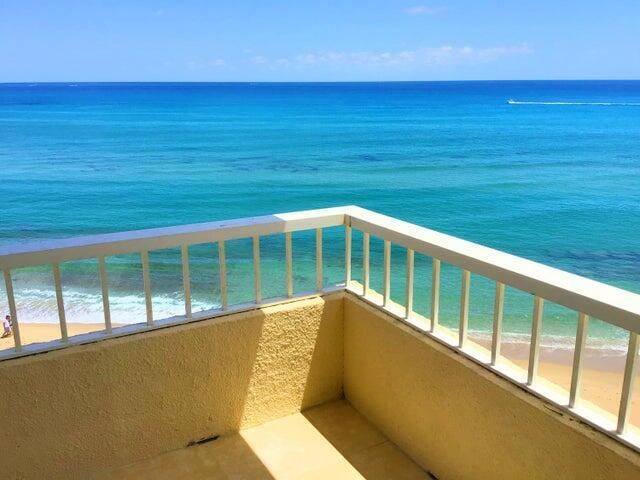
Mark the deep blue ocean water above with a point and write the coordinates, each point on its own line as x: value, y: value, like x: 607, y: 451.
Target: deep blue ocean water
x: 556, y: 183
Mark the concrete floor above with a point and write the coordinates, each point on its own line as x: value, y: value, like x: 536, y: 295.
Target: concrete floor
x: 332, y: 441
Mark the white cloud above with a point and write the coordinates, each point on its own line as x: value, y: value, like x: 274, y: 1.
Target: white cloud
x: 424, y: 10
x: 431, y: 56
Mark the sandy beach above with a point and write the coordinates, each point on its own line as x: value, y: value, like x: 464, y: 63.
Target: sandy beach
x: 600, y: 386
x: 46, y: 332
x: 602, y: 377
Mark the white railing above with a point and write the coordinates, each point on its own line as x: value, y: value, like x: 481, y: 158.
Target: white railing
x: 587, y: 297
x: 54, y: 252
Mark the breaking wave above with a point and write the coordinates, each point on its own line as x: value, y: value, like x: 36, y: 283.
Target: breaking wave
x: 39, y: 306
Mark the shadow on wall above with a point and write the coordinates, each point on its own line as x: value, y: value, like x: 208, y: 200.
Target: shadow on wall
x: 93, y: 407
x: 298, y: 362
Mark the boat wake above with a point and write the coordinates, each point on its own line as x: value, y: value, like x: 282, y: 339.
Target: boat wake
x: 602, y: 104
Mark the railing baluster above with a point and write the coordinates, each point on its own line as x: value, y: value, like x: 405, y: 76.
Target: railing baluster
x: 319, y: 273
x: 347, y: 255
x: 435, y: 293
x: 224, y: 297
x: 576, y: 373
x: 579, y: 294
x: 365, y: 263
x: 536, y: 329
x: 464, y: 308
x: 409, y: 292
x: 15, y: 326
x: 498, y: 309
x: 146, y: 281
x: 256, y: 268
x: 57, y: 281
x: 104, y: 285
x: 627, y: 384
x: 289, y: 262
x: 186, y: 281
x: 387, y: 273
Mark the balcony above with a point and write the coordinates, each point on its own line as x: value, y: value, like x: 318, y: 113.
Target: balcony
x: 349, y: 379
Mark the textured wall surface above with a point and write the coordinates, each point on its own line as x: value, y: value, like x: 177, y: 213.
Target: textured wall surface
x: 70, y: 412
x: 67, y: 413
x: 459, y: 420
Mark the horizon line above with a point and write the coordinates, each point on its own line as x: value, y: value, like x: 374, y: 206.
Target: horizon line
x: 313, y: 81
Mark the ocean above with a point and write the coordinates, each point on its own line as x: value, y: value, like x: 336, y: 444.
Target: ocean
x: 548, y: 170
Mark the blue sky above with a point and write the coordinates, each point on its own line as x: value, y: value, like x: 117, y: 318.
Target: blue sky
x: 318, y: 40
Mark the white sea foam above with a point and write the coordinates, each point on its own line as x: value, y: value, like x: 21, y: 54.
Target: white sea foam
x: 602, y: 104
x: 39, y: 306
x: 614, y: 346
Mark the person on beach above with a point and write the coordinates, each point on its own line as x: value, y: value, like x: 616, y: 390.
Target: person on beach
x: 7, y: 327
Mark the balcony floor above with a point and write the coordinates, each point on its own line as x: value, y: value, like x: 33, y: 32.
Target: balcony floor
x: 329, y: 441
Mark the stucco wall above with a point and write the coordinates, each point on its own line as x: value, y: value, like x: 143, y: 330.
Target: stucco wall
x: 67, y: 413
x: 71, y: 412
x: 458, y: 420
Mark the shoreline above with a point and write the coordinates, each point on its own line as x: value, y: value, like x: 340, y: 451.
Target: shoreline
x: 602, y: 374
x: 46, y: 332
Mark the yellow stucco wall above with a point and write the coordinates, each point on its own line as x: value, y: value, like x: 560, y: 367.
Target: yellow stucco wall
x: 457, y: 419
x: 70, y: 412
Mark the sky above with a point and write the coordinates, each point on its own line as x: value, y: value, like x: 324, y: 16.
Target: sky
x: 325, y: 40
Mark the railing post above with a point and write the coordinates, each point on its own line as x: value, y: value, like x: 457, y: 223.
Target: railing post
x: 222, y: 259
x: 146, y: 281
x: 186, y: 281
x: 627, y: 384
x: 464, y: 308
x: 319, y: 272
x: 347, y: 255
x: 387, y: 273
x: 498, y: 310
x: 435, y: 293
x: 576, y: 370
x: 365, y: 263
x: 15, y: 326
x: 256, y: 268
x: 536, y: 329
x: 409, y: 292
x: 288, y: 253
x: 104, y: 286
x: 580, y: 294
x: 57, y: 281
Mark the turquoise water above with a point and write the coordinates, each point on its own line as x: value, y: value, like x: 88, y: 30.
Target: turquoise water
x: 553, y: 182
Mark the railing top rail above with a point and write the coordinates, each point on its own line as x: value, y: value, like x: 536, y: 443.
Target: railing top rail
x: 613, y: 305
x: 91, y: 246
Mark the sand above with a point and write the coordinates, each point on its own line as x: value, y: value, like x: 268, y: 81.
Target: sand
x: 44, y: 332
x: 603, y: 372
x: 602, y: 377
